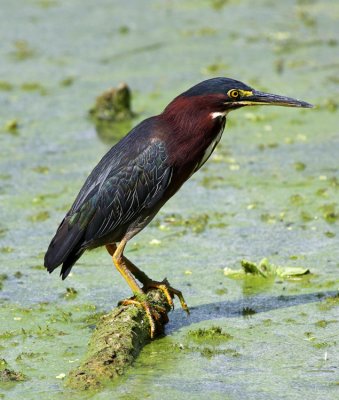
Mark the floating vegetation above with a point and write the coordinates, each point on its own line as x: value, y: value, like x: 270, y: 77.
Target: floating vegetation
x: 41, y: 198
x: 112, y: 113
x: 306, y: 18
x: 306, y: 216
x: 46, y: 3
x: 322, y: 323
x: 299, y: 166
x: 9, y: 375
x: 6, y: 249
x: 329, y: 104
x: 24, y: 356
x: 206, y: 351
x: 70, y: 293
x: 297, y: 200
x: 214, y: 333
x: 219, y: 4
x: 196, y: 223
x: 39, y: 217
x: 33, y: 87
x: 269, y: 218
x: 248, y: 311
x: 11, y: 126
x: 329, y: 212
x: 212, y: 182
x: 204, y: 31
x: 329, y: 234
x: 3, y: 278
x: 210, y: 352
x: 113, y: 105
x: 265, y: 269
x: 329, y: 303
x: 41, y: 169
x: 5, y: 86
x: 22, y: 51
x: 68, y: 81
x: 123, y: 30
x: 215, y: 69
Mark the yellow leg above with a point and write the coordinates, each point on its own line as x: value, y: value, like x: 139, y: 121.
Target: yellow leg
x: 148, y: 283
x: 137, y: 273
x: 121, y: 266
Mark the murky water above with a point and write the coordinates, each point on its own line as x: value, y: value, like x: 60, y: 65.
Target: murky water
x: 270, y: 190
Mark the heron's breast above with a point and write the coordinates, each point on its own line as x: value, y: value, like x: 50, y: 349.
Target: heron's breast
x: 209, y: 150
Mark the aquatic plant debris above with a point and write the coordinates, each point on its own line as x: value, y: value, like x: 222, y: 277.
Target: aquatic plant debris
x: 112, y: 114
x: 70, y: 39
x: 9, y: 375
x: 116, y: 342
x: 113, y: 105
x: 214, y: 333
x: 265, y: 269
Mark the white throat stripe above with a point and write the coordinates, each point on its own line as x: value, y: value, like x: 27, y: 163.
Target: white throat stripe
x: 218, y: 114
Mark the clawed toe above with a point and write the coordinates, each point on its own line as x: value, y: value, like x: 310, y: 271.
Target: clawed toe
x: 156, y: 314
x: 168, y: 291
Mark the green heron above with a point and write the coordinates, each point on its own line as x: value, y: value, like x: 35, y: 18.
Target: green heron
x: 141, y: 172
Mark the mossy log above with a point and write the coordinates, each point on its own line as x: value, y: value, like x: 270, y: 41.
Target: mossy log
x: 116, y: 342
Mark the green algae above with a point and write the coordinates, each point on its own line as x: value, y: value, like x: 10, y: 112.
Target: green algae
x: 9, y: 375
x: 218, y: 4
x: 206, y: 351
x: 195, y: 223
x: 209, y: 352
x: 68, y: 81
x: 6, y: 86
x: 214, y: 333
x: 22, y: 50
x: 70, y: 293
x: 324, y: 323
x: 239, y: 181
x: 6, y: 249
x: 113, y: 105
x: 33, y: 87
x: 41, y: 169
x: 11, y: 126
x: 329, y: 212
x: 3, y: 278
x: 329, y: 303
x: 116, y: 342
x: 265, y: 269
x: 40, y: 216
x: 248, y: 311
x: 112, y: 113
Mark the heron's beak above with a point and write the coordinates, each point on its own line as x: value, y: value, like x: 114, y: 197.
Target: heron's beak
x: 257, y: 98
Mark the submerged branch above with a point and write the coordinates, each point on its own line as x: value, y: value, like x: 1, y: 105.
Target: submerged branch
x: 116, y: 342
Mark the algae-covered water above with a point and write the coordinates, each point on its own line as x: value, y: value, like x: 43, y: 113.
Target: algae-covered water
x: 270, y: 190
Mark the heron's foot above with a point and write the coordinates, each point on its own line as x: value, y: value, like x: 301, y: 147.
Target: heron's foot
x: 156, y: 314
x: 168, y: 291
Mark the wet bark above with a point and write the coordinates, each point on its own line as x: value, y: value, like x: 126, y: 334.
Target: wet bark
x: 116, y: 342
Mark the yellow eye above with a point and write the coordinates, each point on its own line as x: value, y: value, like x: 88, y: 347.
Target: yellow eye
x: 233, y: 93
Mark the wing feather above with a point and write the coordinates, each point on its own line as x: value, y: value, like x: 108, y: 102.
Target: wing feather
x: 128, y: 180
x: 129, y: 191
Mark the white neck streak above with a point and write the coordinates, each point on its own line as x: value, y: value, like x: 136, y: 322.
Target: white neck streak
x: 218, y: 114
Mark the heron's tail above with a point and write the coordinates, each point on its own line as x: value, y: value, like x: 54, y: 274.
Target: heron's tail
x: 65, y: 248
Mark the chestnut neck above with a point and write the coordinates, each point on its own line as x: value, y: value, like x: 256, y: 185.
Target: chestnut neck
x: 192, y: 129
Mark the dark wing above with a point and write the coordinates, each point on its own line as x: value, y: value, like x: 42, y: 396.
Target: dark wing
x: 117, y: 191
x: 128, y: 192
